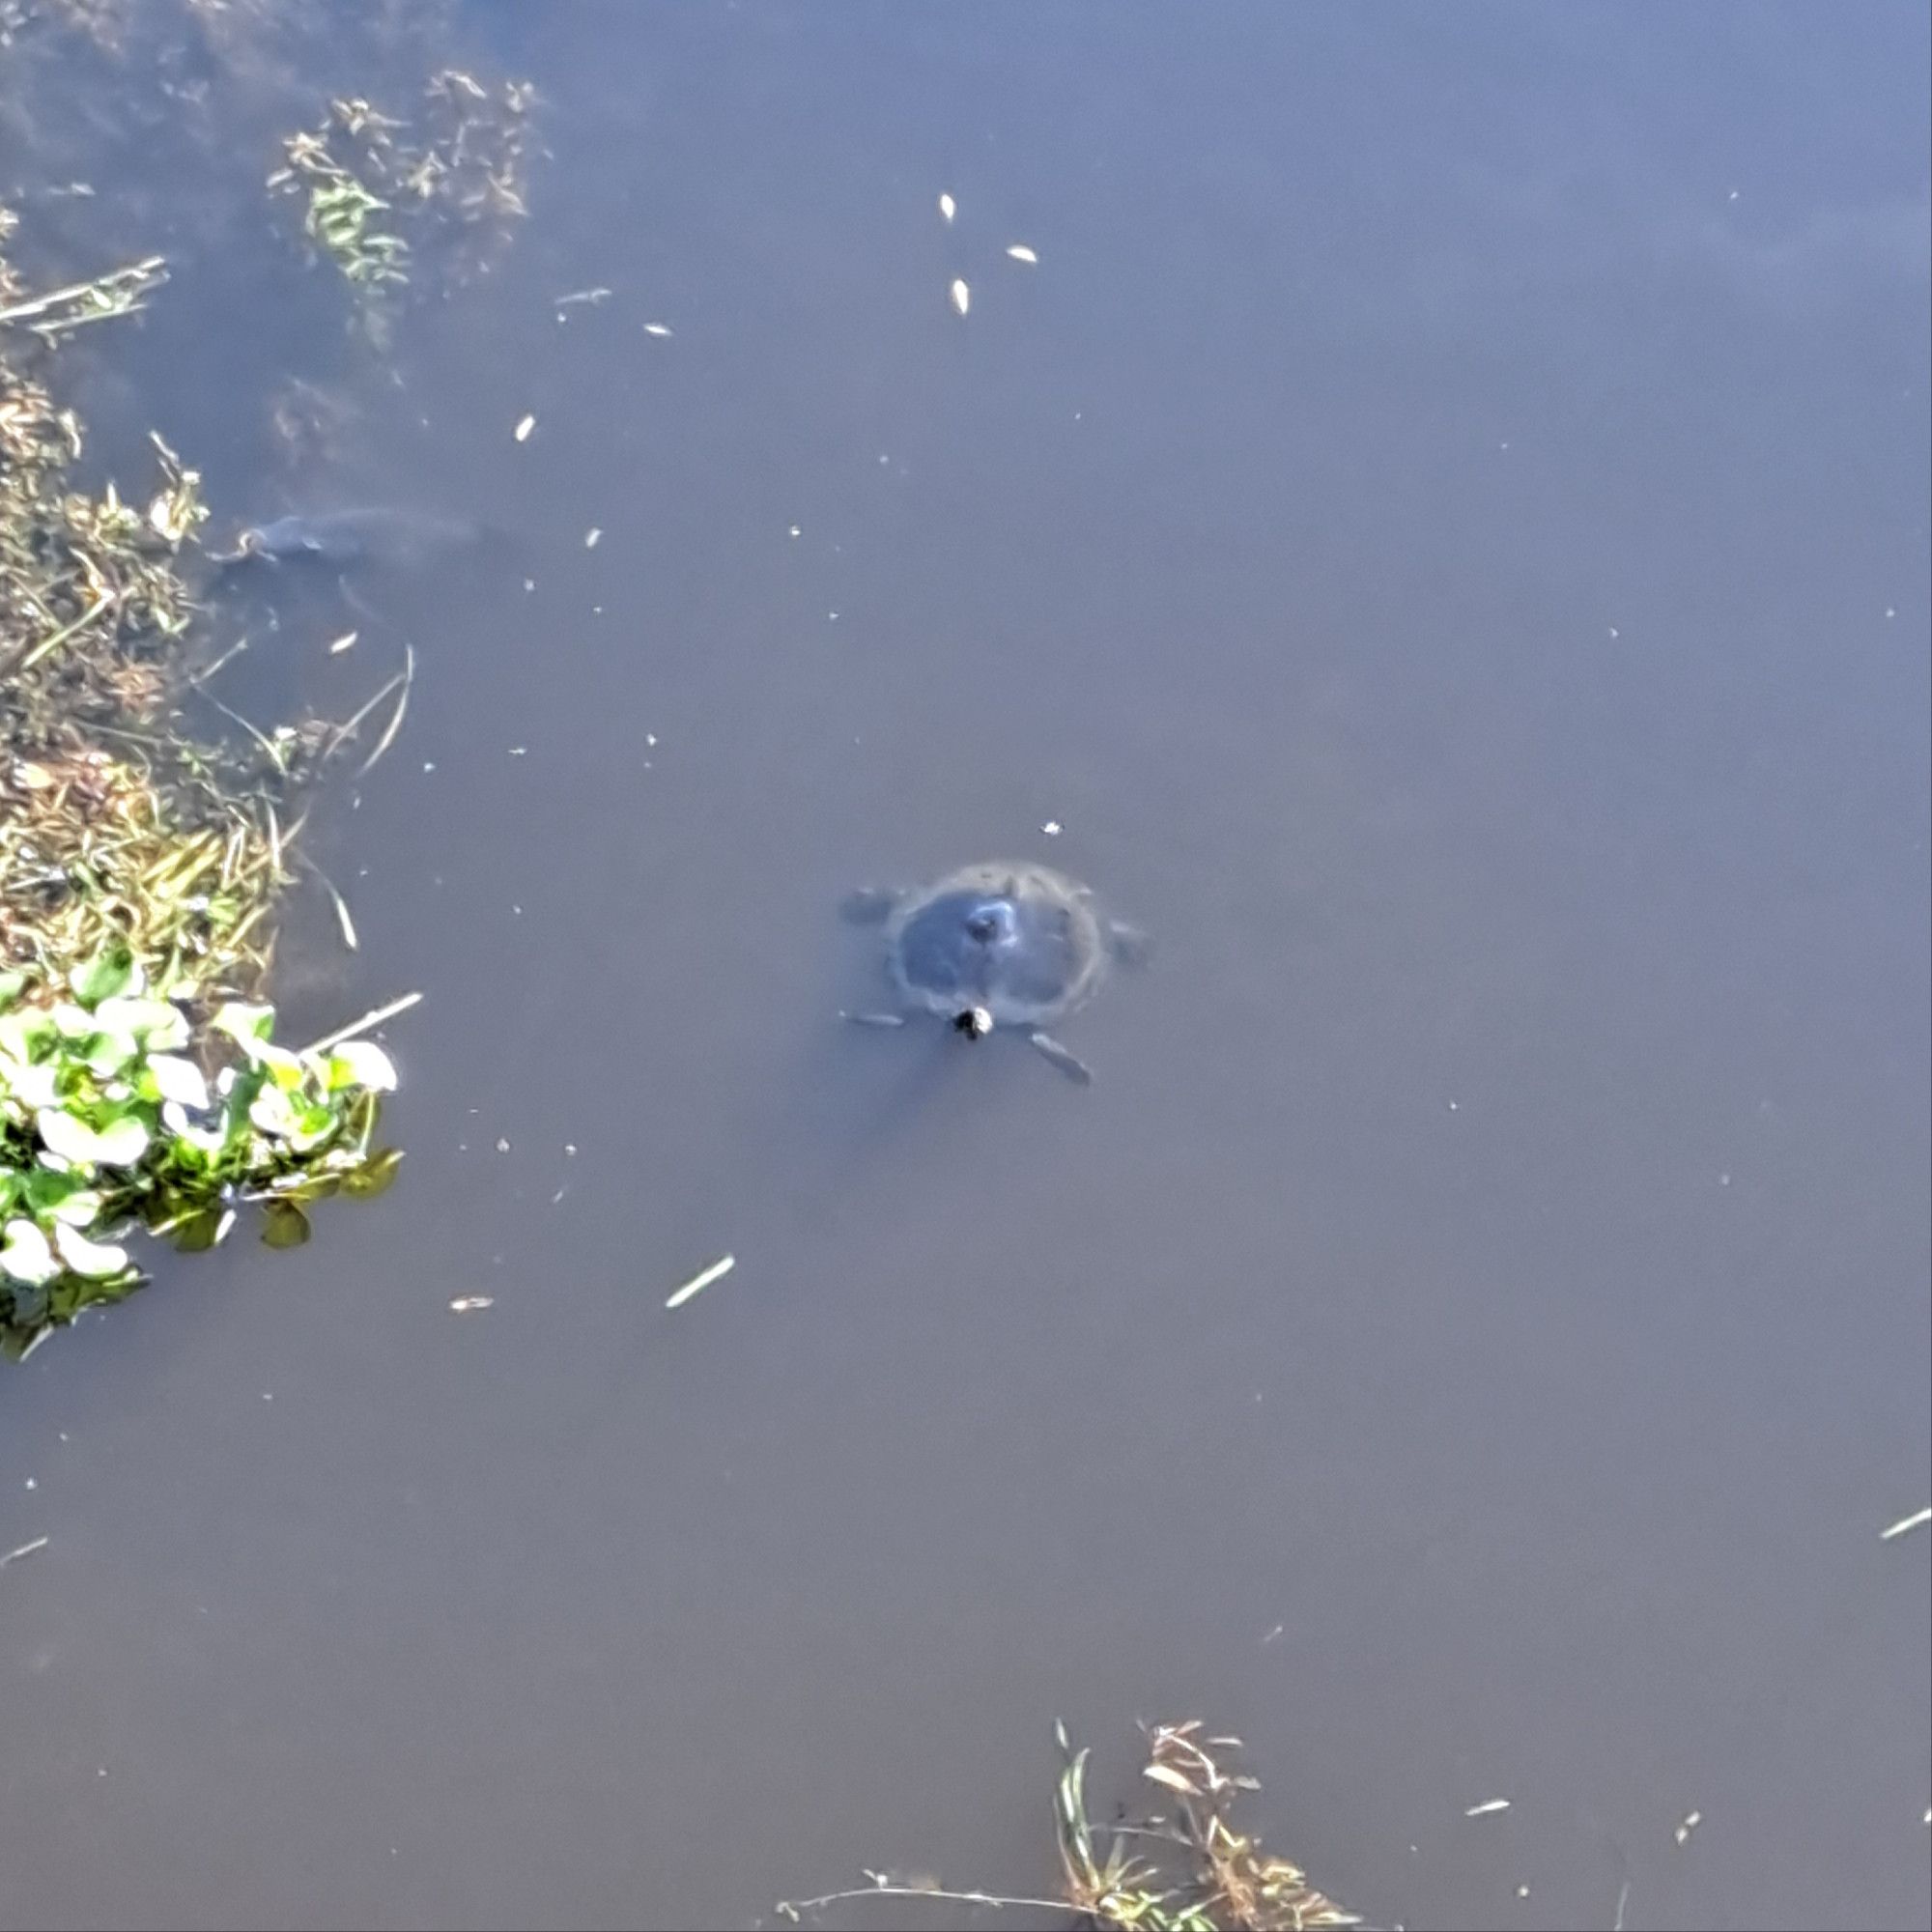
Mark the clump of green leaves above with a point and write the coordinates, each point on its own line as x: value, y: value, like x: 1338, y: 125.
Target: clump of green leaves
x: 124, y: 1108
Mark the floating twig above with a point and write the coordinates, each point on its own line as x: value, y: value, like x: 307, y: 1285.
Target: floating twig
x: 374, y: 1017
x: 702, y: 1279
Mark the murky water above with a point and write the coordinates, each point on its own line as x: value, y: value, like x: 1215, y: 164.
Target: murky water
x: 1444, y: 529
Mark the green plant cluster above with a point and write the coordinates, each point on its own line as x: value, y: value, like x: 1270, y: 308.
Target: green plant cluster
x: 124, y: 1107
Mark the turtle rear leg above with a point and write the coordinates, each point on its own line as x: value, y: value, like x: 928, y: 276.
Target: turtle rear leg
x: 1069, y: 1063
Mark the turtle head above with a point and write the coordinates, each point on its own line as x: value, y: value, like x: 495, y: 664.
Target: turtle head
x: 974, y: 1022
x: 992, y: 923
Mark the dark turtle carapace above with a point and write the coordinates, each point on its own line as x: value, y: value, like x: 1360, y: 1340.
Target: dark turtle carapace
x: 343, y: 539
x: 1007, y: 945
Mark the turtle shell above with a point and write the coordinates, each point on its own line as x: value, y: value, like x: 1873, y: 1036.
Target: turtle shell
x: 1021, y: 941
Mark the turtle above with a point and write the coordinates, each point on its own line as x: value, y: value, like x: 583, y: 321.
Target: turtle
x: 344, y: 539
x: 1004, y: 943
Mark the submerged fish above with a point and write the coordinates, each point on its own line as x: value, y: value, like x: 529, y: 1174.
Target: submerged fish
x: 345, y: 538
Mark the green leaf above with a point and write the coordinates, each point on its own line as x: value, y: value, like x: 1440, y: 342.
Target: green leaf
x: 273, y: 1112
x: 159, y: 1025
x: 32, y: 1083
x: 202, y: 1230
x: 179, y: 1080
x: 376, y: 1176
x: 12, y: 985
x: 108, y: 1052
x: 284, y: 1225
x: 25, y: 1255
x: 361, y: 1063
x: 79, y: 1209
x: 92, y: 1261
x: 105, y: 975
x: 246, y: 1025
x: 25, y: 1030
x: 119, y: 1144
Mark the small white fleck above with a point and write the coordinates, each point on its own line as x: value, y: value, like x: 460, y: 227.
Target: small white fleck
x: 1523, y: 1892
x: 796, y: 530
x: 268, y: 1396
x: 1486, y: 1808
x: 657, y: 329
x: 1020, y: 252
x: 1732, y: 196
x: 962, y: 296
x: 947, y: 208
x: 1613, y: 631
x: 502, y: 1144
x: 463, y: 1305
x: 520, y: 751
x: 1455, y: 1106
x: 1723, y: 1180
x: 429, y: 764
x: 33, y: 1483
x: 1053, y: 828
x: 530, y: 584
x: 591, y: 536
x: 1891, y: 610
x: 650, y: 737
x: 342, y: 644
x: 523, y: 428
x: 570, y: 1147
x: 518, y: 910
x: 1690, y: 1821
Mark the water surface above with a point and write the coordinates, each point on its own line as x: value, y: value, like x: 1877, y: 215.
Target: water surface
x: 1443, y: 530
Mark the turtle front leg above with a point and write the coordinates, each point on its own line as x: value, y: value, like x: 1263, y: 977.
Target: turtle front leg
x: 1069, y: 1063
x: 868, y: 906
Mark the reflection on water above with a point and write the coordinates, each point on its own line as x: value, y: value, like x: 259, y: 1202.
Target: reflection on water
x: 1442, y: 528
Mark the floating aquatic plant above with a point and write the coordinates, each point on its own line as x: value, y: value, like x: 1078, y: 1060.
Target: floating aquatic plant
x: 1187, y: 1871
x: 140, y: 1085
x: 126, y: 1107
x: 374, y: 189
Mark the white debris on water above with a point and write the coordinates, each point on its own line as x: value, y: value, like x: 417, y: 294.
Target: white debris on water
x: 523, y: 430
x: 947, y: 208
x: 1487, y: 1808
x: 962, y: 296
x: 701, y: 1279
x: 1020, y: 252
